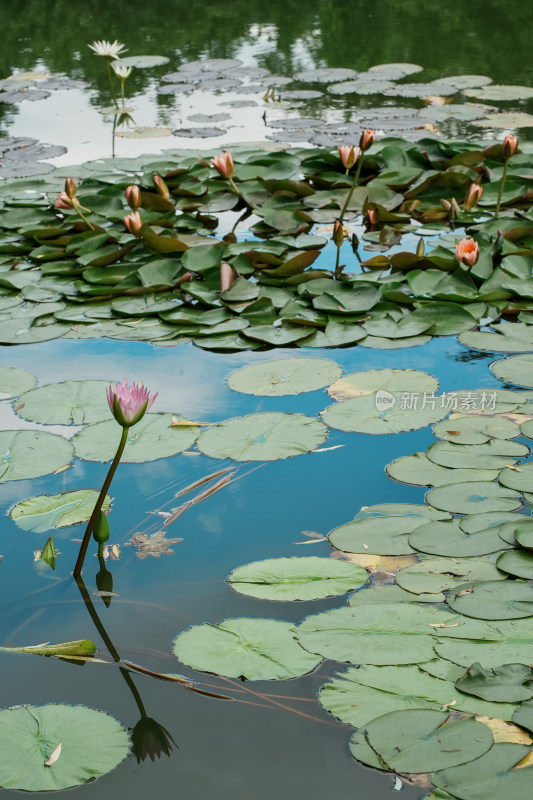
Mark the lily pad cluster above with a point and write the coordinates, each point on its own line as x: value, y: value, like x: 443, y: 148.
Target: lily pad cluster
x: 62, y: 276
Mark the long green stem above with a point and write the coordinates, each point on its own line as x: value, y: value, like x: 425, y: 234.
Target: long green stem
x: 99, y: 503
x: 110, y: 79
x: 502, y: 185
x: 354, y: 184
x: 122, y: 84
x: 337, y: 270
x: 83, y: 217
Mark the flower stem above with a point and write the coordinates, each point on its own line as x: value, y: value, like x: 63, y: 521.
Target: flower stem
x: 99, y: 503
x: 354, y: 184
x: 502, y: 185
x: 122, y: 84
x: 337, y: 270
x: 110, y: 79
x: 83, y: 217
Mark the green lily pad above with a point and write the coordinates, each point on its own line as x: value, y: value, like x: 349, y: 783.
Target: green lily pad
x: 473, y: 498
x: 284, y: 376
x: 442, y: 574
x: 141, y: 62
x: 519, y: 478
x: 263, y: 437
x: 370, y: 381
x: 493, y: 599
x: 391, y: 593
x: 523, y: 534
x: 516, y: 369
x: 29, y: 454
x: 490, y: 777
x: 494, y: 454
x: 473, y: 429
x: 417, y: 740
x: 510, y: 683
x: 298, y: 578
x: 14, y: 382
x: 513, y: 644
x: 150, y: 439
x: 44, y: 512
x: 71, y: 402
x: 512, y: 119
x: 382, y: 535
x: 257, y: 649
x: 448, y: 539
x: 381, y: 413
x: 381, y: 634
x: 380, y: 343
x: 418, y: 470
x: 497, y: 91
x: 517, y: 562
x: 464, y: 81
x: 494, y: 342
x: 92, y: 744
x: 523, y: 715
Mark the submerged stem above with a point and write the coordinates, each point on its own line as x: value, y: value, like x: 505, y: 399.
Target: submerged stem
x: 99, y: 503
x: 502, y: 186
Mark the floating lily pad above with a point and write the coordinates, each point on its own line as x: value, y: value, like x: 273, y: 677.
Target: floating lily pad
x: 44, y: 512
x: 464, y: 81
x: 523, y: 715
x: 516, y: 369
x: 360, y: 86
x: 391, y: 593
x: 257, y: 649
x: 494, y: 454
x: 493, y: 599
x: 510, y: 683
x: 144, y: 132
x: 92, y: 743
x: 475, y: 429
x: 494, y: 343
x: 419, y: 740
x: 29, y: 454
x: 71, y: 402
x: 393, y: 71
x: 418, y: 470
x: 305, y: 578
x: 141, y: 62
x: 441, y: 574
x: 512, y: 643
x: 515, y: 119
x: 518, y: 563
x: 284, y: 376
x: 198, y: 133
x: 325, y: 74
x: 497, y: 91
x: 14, y: 382
x: 381, y: 413
x: 519, y: 478
x: 448, y: 539
x: 150, y: 439
x: 473, y: 498
x: 263, y: 437
x: 370, y: 381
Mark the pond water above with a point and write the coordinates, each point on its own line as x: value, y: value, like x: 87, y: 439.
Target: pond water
x: 272, y: 738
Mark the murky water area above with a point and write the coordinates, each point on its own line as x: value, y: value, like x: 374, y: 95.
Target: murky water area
x: 272, y: 739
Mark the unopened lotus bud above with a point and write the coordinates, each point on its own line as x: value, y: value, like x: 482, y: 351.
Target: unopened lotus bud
x: 71, y: 187
x: 133, y: 197
x: 367, y: 139
x: 338, y: 233
x: 101, y: 529
x: 161, y: 187
x: 420, y: 248
x: 473, y: 196
x: 510, y: 143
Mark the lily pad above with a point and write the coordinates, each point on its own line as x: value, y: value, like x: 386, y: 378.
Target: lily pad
x: 92, y: 744
x: 510, y: 683
x: 256, y: 649
x: 14, y: 382
x: 517, y: 562
x: 493, y: 454
x: 370, y: 381
x: 497, y: 91
x: 150, y: 439
x: 44, y: 512
x: 263, y: 437
x: 71, y: 402
x: 381, y: 413
x: 493, y: 599
x: 513, y: 643
x: 516, y: 370
x: 448, y: 538
x: 284, y: 376
x: 305, y: 578
x: 442, y: 574
x: 29, y: 454
x: 141, y: 62
x: 464, y: 81
x: 519, y: 478
x: 418, y: 470
x: 473, y: 498
x: 471, y: 429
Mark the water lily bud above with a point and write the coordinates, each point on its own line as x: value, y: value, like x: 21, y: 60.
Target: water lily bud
x: 71, y: 188
x: 101, y: 529
x: 467, y: 251
x: 133, y: 223
x: 338, y: 233
x: 226, y: 277
x: 161, y: 187
x: 133, y: 196
x: 224, y: 164
x: 420, y: 248
x: 510, y: 143
x: 367, y: 139
x: 473, y: 196
x: 64, y: 201
x: 129, y: 404
x: 445, y: 204
x: 372, y: 216
x: 348, y: 155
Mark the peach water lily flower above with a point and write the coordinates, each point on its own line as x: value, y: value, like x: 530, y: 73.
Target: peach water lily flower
x: 133, y: 196
x: 129, y: 404
x: 367, y: 139
x: 133, y: 223
x: 64, y: 201
x: 348, y: 154
x: 467, y: 251
x: 473, y: 196
x: 108, y: 49
x: 224, y: 164
x: 510, y: 144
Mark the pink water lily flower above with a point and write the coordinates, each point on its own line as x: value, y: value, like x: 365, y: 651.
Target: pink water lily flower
x: 473, y: 196
x: 510, y: 143
x: 129, y: 404
x: 367, y: 139
x: 224, y: 164
x: 133, y: 196
x: 64, y: 201
x: 467, y: 251
x: 133, y: 223
x: 348, y: 154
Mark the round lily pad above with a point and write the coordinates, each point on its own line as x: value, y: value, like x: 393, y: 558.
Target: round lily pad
x: 494, y: 520
x: 494, y: 342
x: 494, y: 454
x: 516, y: 369
x: 150, y: 439
x: 463, y: 81
x: 382, y: 412
x: 325, y: 74
x: 473, y: 498
x: 257, y: 649
x: 91, y: 744
x: 141, y: 62
x: 263, y: 437
x: 29, y: 454
x: 298, y: 578
x: 497, y: 91
x: 14, y: 382
x: 510, y: 683
x: 384, y: 535
x: 420, y: 471
x: 523, y: 715
x: 519, y: 478
x: 517, y: 562
x: 44, y: 512
x: 284, y: 376
x: 391, y: 380
x: 523, y: 534
x: 448, y: 539
x: 391, y: 593
x: 493, y: 599
x: 512, y: 119
x: 441, y: 574
x: 474, y: 429
x: 70, y: 402
x: 418, y: 740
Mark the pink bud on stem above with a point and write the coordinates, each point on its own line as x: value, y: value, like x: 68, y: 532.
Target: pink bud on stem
x: 472, y: 197
x: 133, y: 197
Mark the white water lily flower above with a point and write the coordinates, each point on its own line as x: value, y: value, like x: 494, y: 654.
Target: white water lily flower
x: 108, y: 49
x: 121, y: 71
